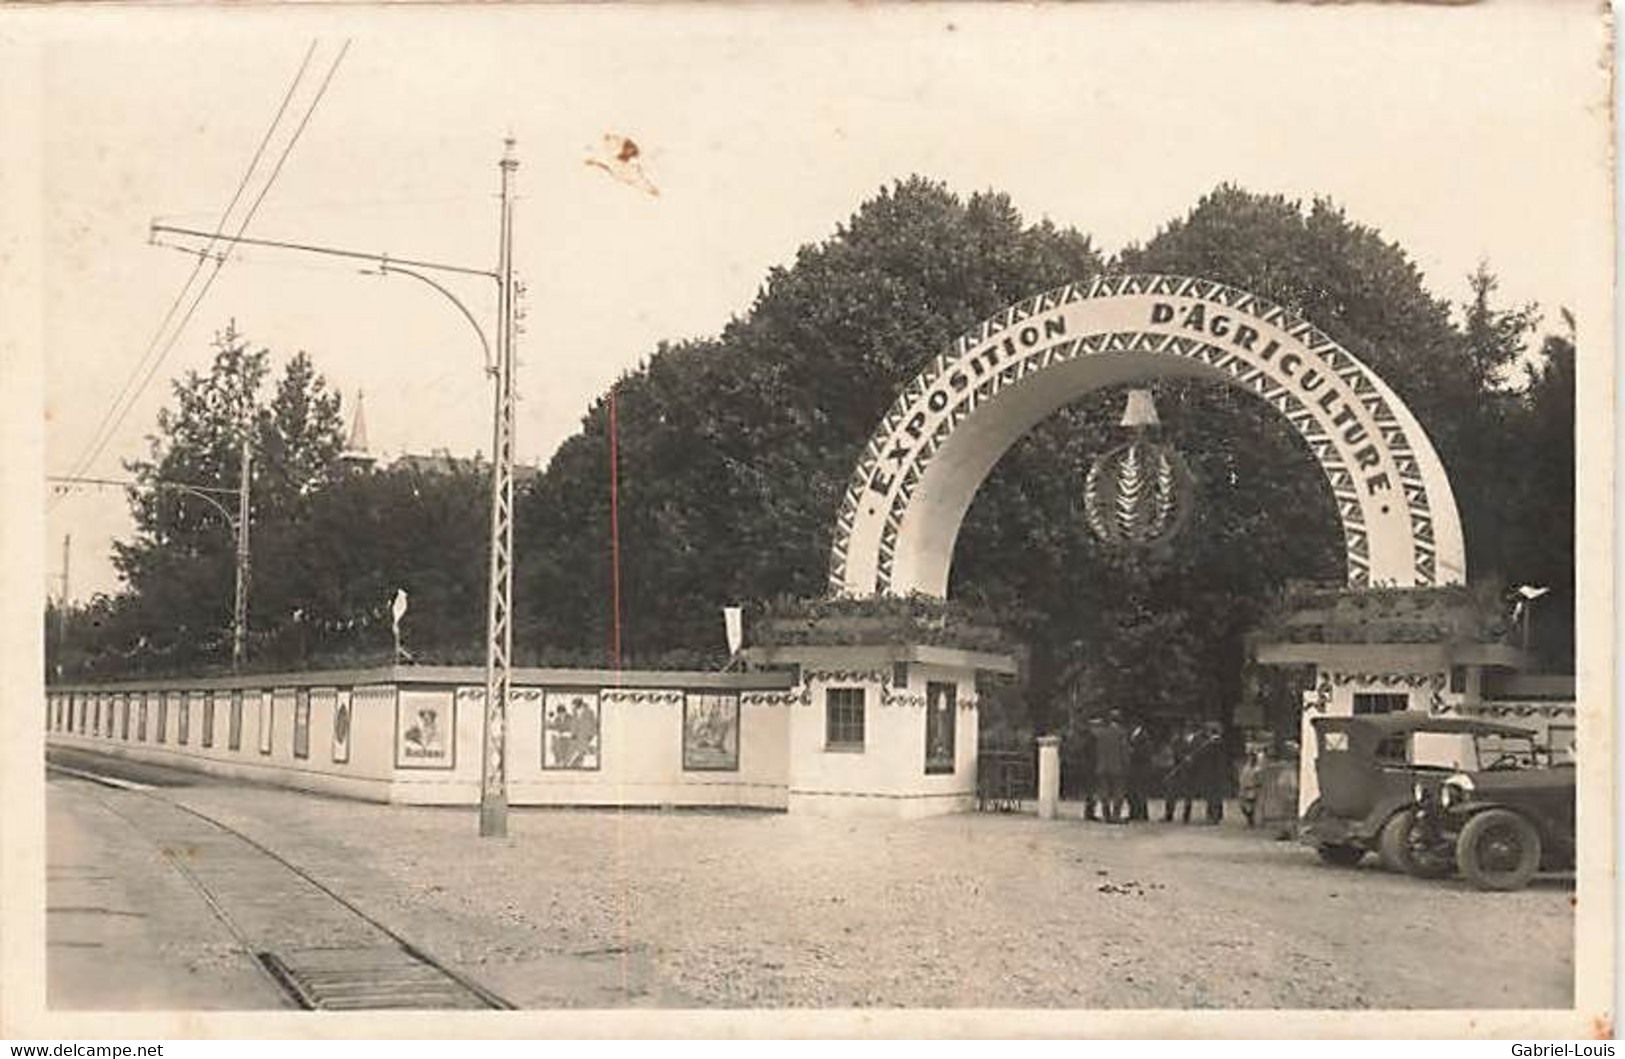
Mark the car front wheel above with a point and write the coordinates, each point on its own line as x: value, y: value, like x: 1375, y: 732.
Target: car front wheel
x: 1498, y: 850
x: 1394, y: 842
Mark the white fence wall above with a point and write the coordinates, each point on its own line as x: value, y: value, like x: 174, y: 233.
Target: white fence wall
x: 414, y: 734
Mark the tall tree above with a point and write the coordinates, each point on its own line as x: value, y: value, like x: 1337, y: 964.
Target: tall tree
x: 1542, y: 544
x: 300, y: 437
x: 298, y: 441
x: 179, y: 568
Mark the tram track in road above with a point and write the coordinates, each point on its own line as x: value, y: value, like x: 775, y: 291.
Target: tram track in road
x: 320, y: 949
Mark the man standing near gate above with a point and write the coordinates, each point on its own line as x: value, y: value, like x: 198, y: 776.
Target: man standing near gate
x: 1178, y: 783
x: 1082, y: 751
x: 1141, y: 748
x: 1210, y: 771
x: 1111, y: 766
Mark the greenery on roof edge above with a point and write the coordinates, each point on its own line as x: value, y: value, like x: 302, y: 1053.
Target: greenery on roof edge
x: 1455, y: 614
x: 915, y: 619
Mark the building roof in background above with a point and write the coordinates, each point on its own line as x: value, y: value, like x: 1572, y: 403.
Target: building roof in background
x: 441, y: 461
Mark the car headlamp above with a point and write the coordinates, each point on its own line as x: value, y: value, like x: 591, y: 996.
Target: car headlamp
x: 1456, y: 789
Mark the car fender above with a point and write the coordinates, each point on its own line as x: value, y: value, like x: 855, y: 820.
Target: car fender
x: 1317, y: 828
x: 1383, y: 812
x: 1544, y: 825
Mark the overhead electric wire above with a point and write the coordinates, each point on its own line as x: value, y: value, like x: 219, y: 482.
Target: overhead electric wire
x: 220, y: 258
x: 93, y: 449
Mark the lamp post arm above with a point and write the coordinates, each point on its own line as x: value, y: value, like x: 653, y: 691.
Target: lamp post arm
x: 306, y: 248
x: 386, y: 267
x: 202, y: 492
x: 231, y: 520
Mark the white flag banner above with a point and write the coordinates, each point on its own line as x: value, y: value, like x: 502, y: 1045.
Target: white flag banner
x: 397, y: 611
x: 733, y: 618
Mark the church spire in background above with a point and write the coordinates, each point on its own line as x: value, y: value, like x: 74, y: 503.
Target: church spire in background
x: 356, y: 457
x: 358, y: 426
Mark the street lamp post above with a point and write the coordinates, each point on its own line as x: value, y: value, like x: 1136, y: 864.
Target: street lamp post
x: 499, y: 629
x: 499, y: 625
x: 239, y: 610
x: 238, y: 524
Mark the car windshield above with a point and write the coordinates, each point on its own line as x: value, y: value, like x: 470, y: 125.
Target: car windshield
x: 1498, y: 751
x: 1443, y: 750
x: 1471, y: 751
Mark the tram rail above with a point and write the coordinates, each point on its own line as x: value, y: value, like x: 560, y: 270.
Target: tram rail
x: 320, y: 950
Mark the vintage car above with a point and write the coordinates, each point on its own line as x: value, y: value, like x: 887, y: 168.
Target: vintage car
x: 1497, y: 820
x: 1368, y: 768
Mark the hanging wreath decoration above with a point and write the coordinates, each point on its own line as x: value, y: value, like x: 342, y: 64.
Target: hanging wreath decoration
x: 1139, y: 494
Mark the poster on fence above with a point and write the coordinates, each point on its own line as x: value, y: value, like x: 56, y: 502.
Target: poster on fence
x: 267, y: 716
x: 341, y: 727
x: 710, y: 732
x: 209, y: 702
x: 941, y: 717
x: 301, y: 723
x: 424, y: 730
x: 570, y: 730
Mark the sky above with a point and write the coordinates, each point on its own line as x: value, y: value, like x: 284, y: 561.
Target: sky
x: 1463, y: 133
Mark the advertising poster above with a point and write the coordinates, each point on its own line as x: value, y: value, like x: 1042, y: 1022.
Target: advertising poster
x: 341, y: 728
x: 301, y: 723
x: 423, y: 731
x: 209, y: 702
x: 710, y: 732
x: 940, y: 715
x: 570, y: 730
x: 267, y: 717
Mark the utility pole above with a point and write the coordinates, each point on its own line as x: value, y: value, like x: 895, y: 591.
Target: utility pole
x: 62, y: 605
x: 239, y: 612
x: 499, y: 626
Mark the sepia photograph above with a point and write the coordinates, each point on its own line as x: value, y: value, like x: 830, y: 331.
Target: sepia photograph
x: 940, y: 520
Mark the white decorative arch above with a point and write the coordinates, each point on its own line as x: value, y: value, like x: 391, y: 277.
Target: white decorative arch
x: 922, y: 467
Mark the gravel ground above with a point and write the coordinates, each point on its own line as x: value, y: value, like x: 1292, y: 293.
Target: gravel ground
x: 601, y: 908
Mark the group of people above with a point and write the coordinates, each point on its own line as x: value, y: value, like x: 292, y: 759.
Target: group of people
x: 1122, y: 766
